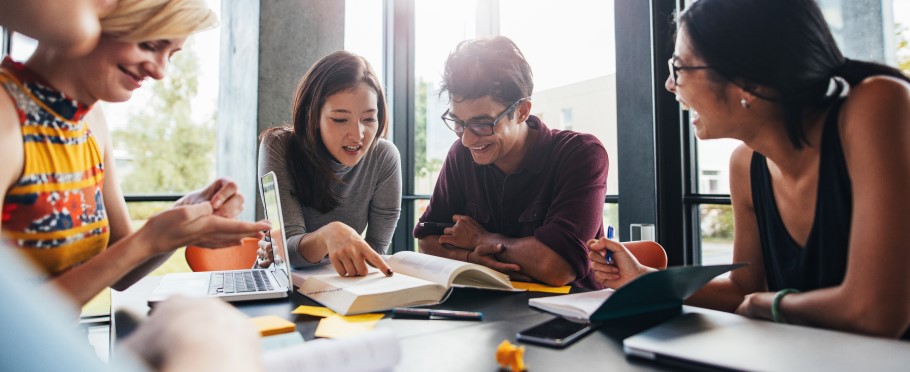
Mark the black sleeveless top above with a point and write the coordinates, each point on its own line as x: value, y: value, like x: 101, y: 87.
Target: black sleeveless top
x: 823, y: 261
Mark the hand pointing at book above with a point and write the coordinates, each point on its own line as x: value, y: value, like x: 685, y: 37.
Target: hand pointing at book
x: 348, y: 252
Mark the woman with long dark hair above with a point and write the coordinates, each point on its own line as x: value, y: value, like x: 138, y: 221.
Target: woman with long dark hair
x: 337, y: 175
x: 819, y: 184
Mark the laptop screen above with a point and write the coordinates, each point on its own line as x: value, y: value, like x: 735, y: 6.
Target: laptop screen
x: 270, y: 200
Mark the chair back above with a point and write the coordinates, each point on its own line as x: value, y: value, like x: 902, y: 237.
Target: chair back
x: 236, y: 257
x: 648, y: 253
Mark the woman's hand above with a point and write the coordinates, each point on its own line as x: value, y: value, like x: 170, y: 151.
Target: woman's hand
x: 222, y: 194
x: 623, y: 267
x: 265, y: 254
x: 348, y: 252
x: 196, y: 224
x: 197, y: 334
x: 756, y: 305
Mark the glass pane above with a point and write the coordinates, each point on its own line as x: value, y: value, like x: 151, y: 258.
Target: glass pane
x: 714, y: 165
x: 363, y: 30
x: 439, y: 27
x: 22, y: 47
x: 420, y: 206
x: 164, y: 136
x: 611, y: 217
x: 716, y: 234
x: 581, y: 98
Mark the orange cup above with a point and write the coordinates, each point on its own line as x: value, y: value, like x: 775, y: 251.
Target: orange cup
x: 235, y: 257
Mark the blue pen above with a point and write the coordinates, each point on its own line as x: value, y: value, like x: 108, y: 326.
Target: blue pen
x: 608, y: 254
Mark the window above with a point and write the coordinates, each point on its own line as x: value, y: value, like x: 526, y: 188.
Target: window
x: 868, y: 30
x: 363, y: 30
x: 439, y: 27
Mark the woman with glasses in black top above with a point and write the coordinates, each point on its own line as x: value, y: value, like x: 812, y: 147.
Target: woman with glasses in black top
x: 819, y: 184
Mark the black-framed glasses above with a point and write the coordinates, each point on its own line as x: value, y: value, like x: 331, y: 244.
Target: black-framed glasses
x: 479, y: 128
x: 674, y: 70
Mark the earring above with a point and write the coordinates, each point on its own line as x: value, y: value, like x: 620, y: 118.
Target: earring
x: 744, y: 103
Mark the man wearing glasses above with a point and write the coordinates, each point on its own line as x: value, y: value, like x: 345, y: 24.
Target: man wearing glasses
x: 513, y: 194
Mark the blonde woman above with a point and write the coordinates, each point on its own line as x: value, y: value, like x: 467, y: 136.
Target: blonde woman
x: 62, y: 205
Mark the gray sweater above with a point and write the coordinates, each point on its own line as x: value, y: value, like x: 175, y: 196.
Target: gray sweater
x: 369, y: 196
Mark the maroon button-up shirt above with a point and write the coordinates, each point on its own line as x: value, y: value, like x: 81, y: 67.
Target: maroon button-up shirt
x: 556, y: 195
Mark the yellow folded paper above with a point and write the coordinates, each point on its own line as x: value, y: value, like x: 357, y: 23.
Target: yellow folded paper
x: 324, y: 312
x: 319, y: 311
x: 337, y: 326
x: 537, y: 287
x: 272, y: 325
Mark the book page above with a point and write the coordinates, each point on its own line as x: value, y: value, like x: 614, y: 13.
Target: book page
x: 298, y: 276
x: 438, y: 270
x: 577, y: 306
x: 373, y: 292
x: 369, y: 352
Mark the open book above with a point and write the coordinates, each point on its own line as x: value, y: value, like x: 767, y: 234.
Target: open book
x: 654, y: 291
x: 419, y: 279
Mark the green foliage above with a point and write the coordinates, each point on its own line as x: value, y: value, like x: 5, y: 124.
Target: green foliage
x: 717, y: 221
x: 903, y: 48
x: 170, y: 153
x: 423, y: 167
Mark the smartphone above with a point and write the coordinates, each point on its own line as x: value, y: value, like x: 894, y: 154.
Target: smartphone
x: 558, y: 332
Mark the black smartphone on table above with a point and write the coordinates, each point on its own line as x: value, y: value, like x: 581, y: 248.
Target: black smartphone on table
x: 558, y: 332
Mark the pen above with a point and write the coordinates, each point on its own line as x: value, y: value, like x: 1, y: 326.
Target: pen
x: 437, y: 225
x: 411, y: 313
x: 608, y: 255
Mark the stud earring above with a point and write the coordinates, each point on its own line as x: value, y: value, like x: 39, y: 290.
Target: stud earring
x: 744, y: 103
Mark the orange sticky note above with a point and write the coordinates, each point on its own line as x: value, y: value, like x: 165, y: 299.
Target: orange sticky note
x: 272, y: 325
x: 536, y: 287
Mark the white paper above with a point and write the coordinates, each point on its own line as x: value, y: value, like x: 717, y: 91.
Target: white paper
x: 376, y: 351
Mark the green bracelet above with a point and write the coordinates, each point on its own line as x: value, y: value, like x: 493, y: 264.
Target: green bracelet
x: 775, y: 304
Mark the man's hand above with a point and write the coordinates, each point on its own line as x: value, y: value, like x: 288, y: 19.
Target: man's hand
x: 486, y: 255
x: 466, y: 233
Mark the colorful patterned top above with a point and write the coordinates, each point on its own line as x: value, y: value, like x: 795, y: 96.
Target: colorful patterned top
x: 54, y: 211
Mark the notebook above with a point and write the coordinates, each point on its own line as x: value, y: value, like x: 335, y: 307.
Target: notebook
x: 708, y: 339
x: 240, y: 285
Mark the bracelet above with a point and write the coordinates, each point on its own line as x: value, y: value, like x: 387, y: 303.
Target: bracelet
x: 775, y: 304
x: 467, y: 257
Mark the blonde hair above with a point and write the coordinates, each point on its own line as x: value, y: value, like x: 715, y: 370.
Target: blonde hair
x: 143, y: 20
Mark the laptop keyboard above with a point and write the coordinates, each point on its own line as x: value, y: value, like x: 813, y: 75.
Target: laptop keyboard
x: 239, y: 282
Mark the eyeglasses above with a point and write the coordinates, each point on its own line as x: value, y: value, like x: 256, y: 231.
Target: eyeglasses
x: 479, y: 128
x: 674, y: 70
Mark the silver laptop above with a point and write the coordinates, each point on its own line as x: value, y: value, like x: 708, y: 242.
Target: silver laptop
x: 240, y: 285
x: 707, y: 339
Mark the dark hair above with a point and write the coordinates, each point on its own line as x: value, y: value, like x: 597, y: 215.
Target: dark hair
x: 492, y: 67
x: 308, y: 158
x: 785, y: 45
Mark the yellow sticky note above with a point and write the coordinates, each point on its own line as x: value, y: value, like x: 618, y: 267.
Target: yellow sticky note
x: 272, y: 325
x: 336, y: 326
x: 319, y: 311
x: 537, y: 287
